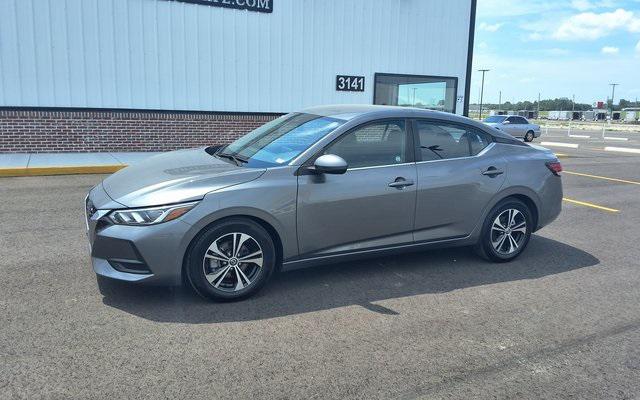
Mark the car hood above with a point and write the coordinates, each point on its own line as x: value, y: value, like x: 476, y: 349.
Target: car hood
x: 493, y: 124
x: 174, y: 177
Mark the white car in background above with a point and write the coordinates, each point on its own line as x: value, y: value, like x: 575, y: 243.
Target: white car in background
x: 514, y: 125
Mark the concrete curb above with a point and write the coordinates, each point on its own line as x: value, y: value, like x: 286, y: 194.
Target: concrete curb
x: 60, y: 170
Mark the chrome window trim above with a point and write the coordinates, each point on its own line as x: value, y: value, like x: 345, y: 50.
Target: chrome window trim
x: 380, y: 166
x: 482, y: 152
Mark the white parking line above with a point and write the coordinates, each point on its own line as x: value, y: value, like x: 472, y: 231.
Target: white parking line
x: 615, y: 138
x: 622, y: 149
x: 580, y: 136
x: 558, y: 144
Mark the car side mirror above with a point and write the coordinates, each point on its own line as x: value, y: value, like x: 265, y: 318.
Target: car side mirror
x: 330, y: 164
x: 506, y: 122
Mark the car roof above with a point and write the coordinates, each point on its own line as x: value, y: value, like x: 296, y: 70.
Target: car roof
x: 350, y: 111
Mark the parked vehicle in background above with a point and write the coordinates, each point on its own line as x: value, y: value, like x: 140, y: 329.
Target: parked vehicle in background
x: 515, y: 126
x: 325, y: 184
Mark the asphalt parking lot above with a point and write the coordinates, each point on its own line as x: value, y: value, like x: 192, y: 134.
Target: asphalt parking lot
x: 562, y: 321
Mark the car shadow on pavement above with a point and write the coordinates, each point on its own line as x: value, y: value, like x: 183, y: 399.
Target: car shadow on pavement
x: 353, y: 283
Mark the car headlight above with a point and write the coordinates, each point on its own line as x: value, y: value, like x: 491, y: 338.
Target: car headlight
x: 151, y: 215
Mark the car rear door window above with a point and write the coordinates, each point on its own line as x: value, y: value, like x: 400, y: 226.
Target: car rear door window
x: 440, y: 140
x: 375, y: 144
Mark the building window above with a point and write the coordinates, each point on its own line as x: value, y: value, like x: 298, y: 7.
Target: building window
x: 430, y: 92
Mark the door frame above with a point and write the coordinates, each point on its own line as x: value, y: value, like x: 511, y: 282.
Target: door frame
x: 305, y: 170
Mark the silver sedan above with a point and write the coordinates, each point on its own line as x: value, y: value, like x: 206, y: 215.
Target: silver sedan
x: 322, y: 185
x: 515, y: 126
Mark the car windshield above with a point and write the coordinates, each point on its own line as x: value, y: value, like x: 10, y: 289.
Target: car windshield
x: 495, y: 118
x: 279, y: 141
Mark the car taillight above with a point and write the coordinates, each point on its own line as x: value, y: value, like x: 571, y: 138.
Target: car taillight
x: 555, y: 167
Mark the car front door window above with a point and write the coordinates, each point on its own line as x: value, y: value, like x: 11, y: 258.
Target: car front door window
x: 376, y: 144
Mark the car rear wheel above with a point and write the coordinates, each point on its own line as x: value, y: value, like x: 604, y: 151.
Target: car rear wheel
x: 528, y: 137
x: 506, y: 231
x: 231, y: 260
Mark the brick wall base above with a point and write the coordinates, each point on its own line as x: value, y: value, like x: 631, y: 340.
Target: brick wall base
x: 47, y: 130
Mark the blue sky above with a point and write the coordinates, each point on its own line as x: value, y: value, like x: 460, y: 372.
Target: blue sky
x: 557, y: 48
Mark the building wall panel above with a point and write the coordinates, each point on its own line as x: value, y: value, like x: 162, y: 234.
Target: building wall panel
x: 158, y: 54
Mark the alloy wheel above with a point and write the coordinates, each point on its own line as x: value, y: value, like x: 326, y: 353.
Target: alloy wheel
x: 508, y: 231
x: 233, y: 261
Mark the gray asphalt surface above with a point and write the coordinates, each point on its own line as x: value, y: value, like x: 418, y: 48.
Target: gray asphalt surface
x: 562, y: 321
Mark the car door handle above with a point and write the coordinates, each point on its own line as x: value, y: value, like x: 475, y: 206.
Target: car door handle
x: 492, y: 171
x: 400, y: 183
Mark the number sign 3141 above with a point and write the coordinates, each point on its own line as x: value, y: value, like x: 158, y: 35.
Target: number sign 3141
x: 347, y: 83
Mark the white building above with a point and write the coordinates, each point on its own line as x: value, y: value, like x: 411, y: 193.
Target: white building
x: 233, y: 58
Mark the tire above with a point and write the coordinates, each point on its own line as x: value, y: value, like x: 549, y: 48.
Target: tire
x: 529, y: 136
x: 231, y: 260
x: 491, y: 233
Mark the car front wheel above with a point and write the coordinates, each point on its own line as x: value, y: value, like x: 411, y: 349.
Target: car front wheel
x: 506, y: 231
x: 231, y: 260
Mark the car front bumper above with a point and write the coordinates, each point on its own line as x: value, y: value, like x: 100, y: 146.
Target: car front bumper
x: 150, y: 254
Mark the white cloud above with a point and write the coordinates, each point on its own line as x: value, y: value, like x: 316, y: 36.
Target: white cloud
x: 590, y: 26
x: 511, y: 8
x: 610, y: 50
x: 581, y: 5
x: 541, y: 27
x: 584, y: 5
x: 535, y: 36
x: 638, y: 47
x: 490, y: 27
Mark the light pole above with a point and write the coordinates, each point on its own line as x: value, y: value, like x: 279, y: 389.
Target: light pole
x: 613, y: 92
x: 499, y: 100
x: 482, y: 90
x: 573, y: 109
